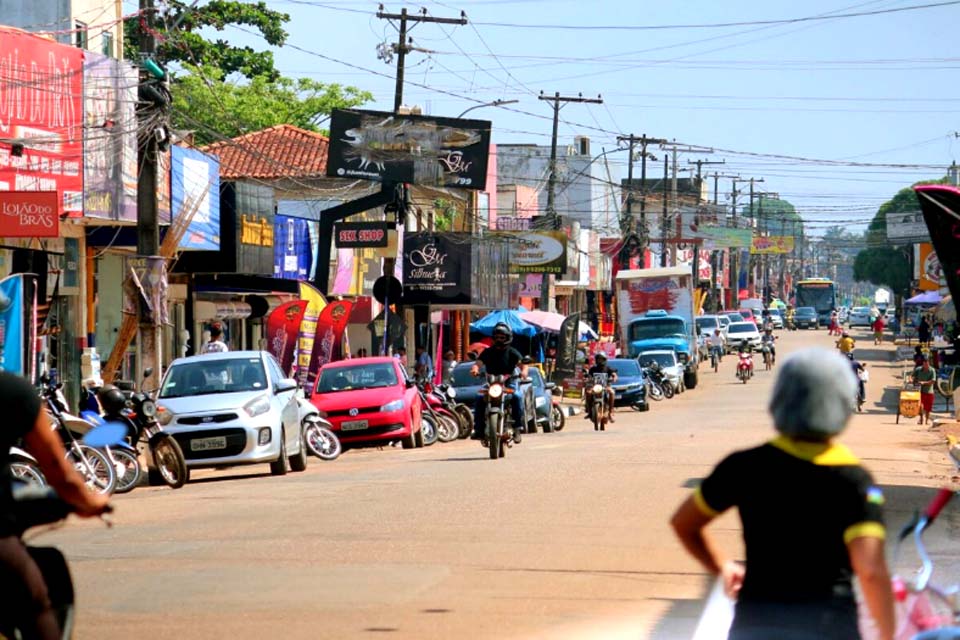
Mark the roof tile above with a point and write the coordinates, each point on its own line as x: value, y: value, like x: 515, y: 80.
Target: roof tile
x: 281, y: 151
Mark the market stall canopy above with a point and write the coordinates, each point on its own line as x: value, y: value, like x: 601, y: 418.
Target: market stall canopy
x: 928, y: 297
x: 552, y: 321
x: 512, y: 319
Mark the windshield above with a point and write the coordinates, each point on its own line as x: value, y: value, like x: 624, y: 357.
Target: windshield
x: 364, y: 376
x: 204, y: 377
x: 806, y: 311
x: 706, y: 324
x: 661, y: 328
x: 534, y: 374
x: 820, y: 296
x: 743, y: 328
x: 662, y: 359
x: 724, y: 321
x: 626, y: 368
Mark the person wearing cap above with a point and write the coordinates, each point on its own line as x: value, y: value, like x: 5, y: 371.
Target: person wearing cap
x: 811, y: 516
x: 925, y: 376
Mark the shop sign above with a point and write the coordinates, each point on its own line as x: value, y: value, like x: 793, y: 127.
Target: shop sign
x: 771, y: 245
x: 195, y: 186
x: 436, y: 268
x: 424, y: 150
x: 511, y: 223
x: 906, y: 227
x: 256, y: 231
x: 41, y: 108
x: 29, y: 214
x: 941, y: 213
x: 538, y: 251
x: 361, y: 235
x: 927, y: 271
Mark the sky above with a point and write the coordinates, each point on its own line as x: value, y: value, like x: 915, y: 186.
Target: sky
x: 821, y: 107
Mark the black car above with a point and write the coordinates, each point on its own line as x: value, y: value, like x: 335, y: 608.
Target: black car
x: 630, y: 388
x: 806, y: 318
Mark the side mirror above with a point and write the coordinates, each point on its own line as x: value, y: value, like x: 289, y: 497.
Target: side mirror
x: 285, y: 384
x: 551, y: 385
x: 148, y: 372
x: 411, y: 384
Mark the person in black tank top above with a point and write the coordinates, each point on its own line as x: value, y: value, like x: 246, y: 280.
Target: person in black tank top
x: 811, y: 516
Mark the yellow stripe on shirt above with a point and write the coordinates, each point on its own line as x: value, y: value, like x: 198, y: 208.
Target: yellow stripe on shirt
x: 864, y: 530
x: 701, y: 503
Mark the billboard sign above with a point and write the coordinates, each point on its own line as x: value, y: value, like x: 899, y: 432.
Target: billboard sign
x: 715, y: 237
x: 927, y: 267
x: 770, y: 245
x: 537, y: 251
x: 195, y: 183
x: 109, y: 138
x: 907, y: 227
x: 424, y: 150
x: 41, y: 117
x: 436, y: 268
x: 29, y: 214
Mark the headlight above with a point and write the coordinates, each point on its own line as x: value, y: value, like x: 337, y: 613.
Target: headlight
x: 164, y: 415
x: 257, y: 406
x: 451, y: 393
x: 541, y: 401
x: 495, y: 391
x: 396, y: 405
x: 597, y: 389
x: 148, y: 408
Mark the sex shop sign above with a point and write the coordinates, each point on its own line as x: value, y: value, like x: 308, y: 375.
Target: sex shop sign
x: 29, y: 214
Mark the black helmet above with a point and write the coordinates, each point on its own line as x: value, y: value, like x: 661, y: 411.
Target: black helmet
x: 503, y: 329
x: 600, y: 357
x: 112, y: 400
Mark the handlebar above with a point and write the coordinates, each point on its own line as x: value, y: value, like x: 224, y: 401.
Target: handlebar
x: 936, y: 505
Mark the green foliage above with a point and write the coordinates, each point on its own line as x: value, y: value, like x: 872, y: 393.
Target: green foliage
x: 185, y: 44
x: 884, y: 266
x: 779, y: 217
x: 863, y: 301
x: 444, y: 214
x: 904, y: 201
x: 205, y: 102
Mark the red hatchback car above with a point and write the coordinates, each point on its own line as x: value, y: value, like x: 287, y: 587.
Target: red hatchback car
x: 369, y: 401
x: 748, y: 316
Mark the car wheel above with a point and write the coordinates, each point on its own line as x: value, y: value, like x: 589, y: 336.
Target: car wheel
x: 299, y: 461
x: 410, y: 441
x: 279, y: 466
x: 418, y: 436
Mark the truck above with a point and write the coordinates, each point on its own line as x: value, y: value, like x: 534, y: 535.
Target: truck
x: 656, y: 311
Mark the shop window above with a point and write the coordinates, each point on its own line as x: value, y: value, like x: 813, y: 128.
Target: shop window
x: 80, y: 34
x: 106, y: 44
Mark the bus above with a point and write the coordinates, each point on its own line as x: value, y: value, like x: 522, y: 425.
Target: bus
x: 819, y: 293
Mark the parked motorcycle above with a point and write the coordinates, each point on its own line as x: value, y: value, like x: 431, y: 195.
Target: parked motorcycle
x: 558, y: 417
x: 439, y: 406
x: 659, y: 386
x: 35, y: 506
x: 99, y: 471
x: 138, y: 411
x: 498, y: 435
x: 599, y: 402
x: 24, y: 467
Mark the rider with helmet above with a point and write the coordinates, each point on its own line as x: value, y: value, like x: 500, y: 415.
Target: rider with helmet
x: 500, y: 360
x: 769, y: 340
x: 600, y: 366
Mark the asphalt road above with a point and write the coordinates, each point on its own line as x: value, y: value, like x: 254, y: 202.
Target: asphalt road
x: 566, y: 537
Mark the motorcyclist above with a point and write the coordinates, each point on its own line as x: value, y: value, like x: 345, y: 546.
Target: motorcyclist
x: 770, y: 341
x: 717, y: 343
x: 845, y: 343
x: 500, y: 360
x: 600, y: 366
x: 26, y: 600
x: 744, y: 349
x: 858, y: 369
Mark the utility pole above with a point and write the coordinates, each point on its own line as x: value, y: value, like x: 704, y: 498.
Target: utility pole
x: 148, y: 230
x: 552, y: 219
x: 700, y: 164
x: 643, y: 140
x: 663, y: 220
x: 717, y: 253
x: 751, y: 276
x: 696, y: 245
x: 674, y: 149
x: 403, y: 44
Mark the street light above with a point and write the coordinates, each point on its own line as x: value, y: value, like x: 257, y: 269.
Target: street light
x: 495, y: 103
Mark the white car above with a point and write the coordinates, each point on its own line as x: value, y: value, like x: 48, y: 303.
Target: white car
x: 776, y: 317
x: 233, y: 408
x: 742, y: 332
x: 859, y: 317
x: 671, y: 367
x: 889, y: 315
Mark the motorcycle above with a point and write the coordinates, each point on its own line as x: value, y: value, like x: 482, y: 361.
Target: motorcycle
x: 659, y: 387
x: 439, y: 406
x: 139, y: 413
x: 24, y: 467
x: 745, y: 366
x: 599, y: 402
x: 317, y: 431
x: 96, y: 467
x: 557, y: 416
x: 499, y: 429
x: 767, y: 357
x: 35, y: 506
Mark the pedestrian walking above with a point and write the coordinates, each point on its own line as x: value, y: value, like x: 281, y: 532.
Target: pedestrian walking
x: 923, y: 331
x: 925, y: 376
x: 878, y: 327
x: 811, y: 516
x: 833, y: 328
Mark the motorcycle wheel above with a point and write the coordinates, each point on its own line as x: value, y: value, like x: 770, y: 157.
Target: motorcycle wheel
x: 448, y: 427
x: 656, y: 392
x: 466, y: 419
x: 169, y: 460
x: 668, y: 391
x: 96, y: 469
x: 322, y: 442
x: 494, y: 446
x: 558, y: 418
x: 128, y: 469
x: 429, y: 428
x: 27, y: 472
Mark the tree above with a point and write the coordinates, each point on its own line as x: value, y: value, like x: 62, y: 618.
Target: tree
x: 185, y: 45
x: 214, y: 107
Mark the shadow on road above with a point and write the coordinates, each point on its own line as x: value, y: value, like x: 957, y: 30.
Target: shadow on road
x: 231, y: 478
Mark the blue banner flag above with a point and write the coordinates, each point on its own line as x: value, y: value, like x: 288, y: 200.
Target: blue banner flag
x: 12, y: 324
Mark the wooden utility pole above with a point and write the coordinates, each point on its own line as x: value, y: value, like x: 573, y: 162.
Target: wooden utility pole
x: 552, y: 219
x: 148, y: 230
x: 643, y: 141
x: 696, y: 245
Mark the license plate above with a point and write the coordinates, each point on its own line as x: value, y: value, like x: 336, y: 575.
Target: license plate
x: 206, y: 444
x: 353, y: 425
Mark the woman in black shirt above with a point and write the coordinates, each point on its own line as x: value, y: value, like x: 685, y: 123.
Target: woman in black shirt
x: 811, y: 516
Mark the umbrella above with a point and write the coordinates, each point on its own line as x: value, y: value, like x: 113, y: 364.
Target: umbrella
x: 929, y: 297
x: 512, y: 319
x: 552, y: 321
x: 479, y: 345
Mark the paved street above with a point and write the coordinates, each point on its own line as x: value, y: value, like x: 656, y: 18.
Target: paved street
x: 565, y: 538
